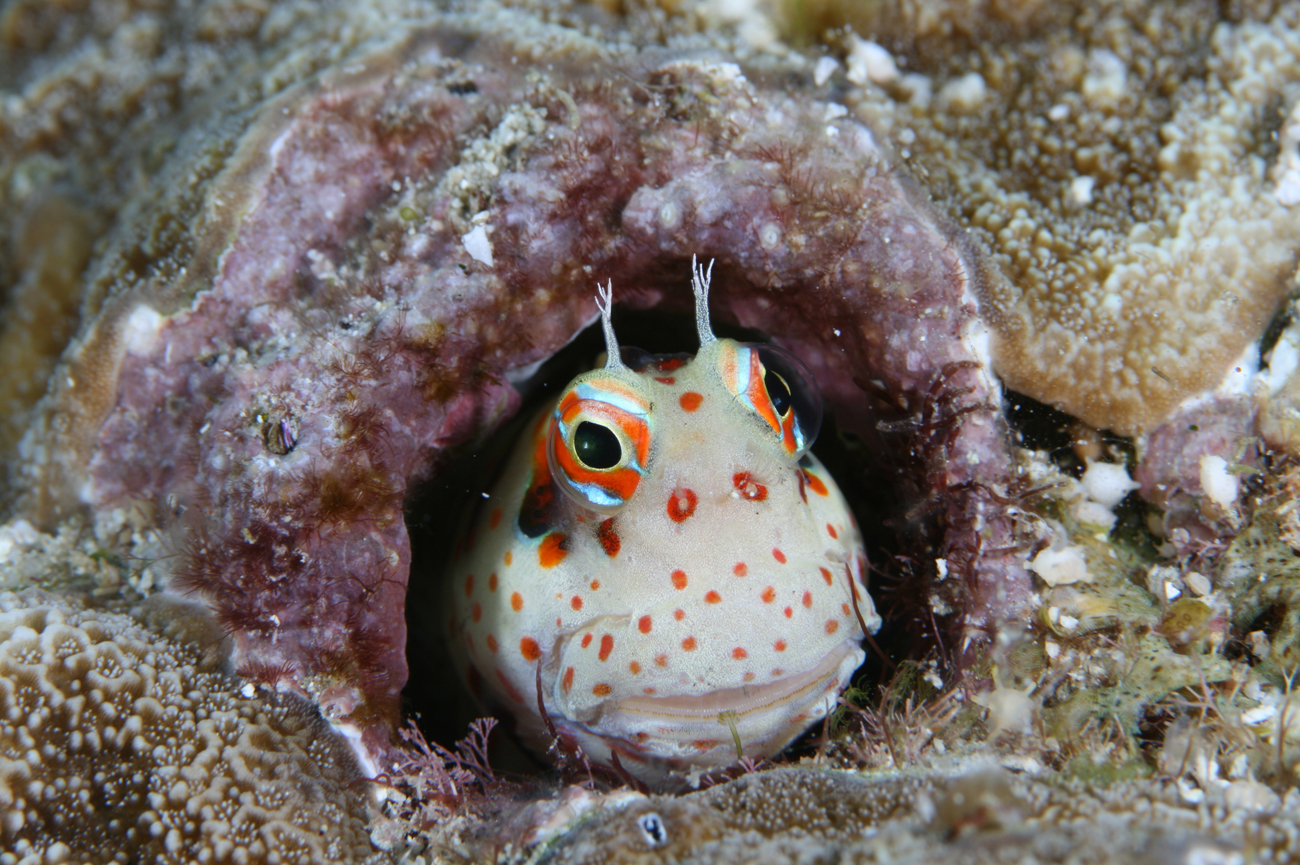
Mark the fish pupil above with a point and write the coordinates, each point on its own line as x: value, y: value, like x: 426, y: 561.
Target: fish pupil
x: 777, y: 391
x: 596, y: 446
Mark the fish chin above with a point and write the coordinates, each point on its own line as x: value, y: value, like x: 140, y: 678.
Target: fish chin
x: 652, y: 734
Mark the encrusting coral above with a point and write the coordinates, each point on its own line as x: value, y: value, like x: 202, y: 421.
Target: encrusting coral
x: 1116, y: 159
x: 981, y: 816
x: 121, y: 745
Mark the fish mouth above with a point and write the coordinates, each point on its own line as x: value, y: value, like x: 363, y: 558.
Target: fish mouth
x: 759, y: 720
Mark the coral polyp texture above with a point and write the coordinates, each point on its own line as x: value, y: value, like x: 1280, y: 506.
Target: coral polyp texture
x: 1120, y: 163
x: 118, y: 744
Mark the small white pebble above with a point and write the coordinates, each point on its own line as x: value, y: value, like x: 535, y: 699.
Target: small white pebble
x: 1081, y: 190
x: 964, y: 94
x: 1219, y: 484
x: 868, y: 61
x: 1059, y: 567
x: 824, y: 69
x: 1107, y: 483
x: 1259, y: 646
x: 477, y: 245
x: 1258, y: 715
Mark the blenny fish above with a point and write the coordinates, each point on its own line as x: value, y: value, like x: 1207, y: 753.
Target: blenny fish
x: 663, y: 575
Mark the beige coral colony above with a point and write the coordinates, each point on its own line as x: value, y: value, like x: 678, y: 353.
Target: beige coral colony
x: 277, y: 277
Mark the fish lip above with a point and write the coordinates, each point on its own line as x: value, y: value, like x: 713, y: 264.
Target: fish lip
x: 762, y: 719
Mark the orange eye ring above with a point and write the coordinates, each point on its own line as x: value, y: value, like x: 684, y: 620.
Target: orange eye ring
x: 776, y: 386
x: 598, y: 444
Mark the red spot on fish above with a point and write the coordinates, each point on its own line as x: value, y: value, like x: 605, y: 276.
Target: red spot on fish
x: 749, y: 489
x: 595, y: 584
x: 602, y: 690
x: 845, y: 608
x: 510, y: 559
x: 826, y: 575
x: 679, y: 614
x: 739, y: 654
x: 740, y: 570
x: 779, y: 645
x: 586, y: 640
x: 815, y: 483
x: 832, y: 626
x: 634, y: 667
x: 778, y: 555
x: 679, y: 579
x: 665, y: 379
x: 643, y: 625
x: 669, y: 364
x: 576, y: 603
x: 688, y: 644
x: 690, y: 400
x: 516, y: 601
x: 807, y: 599
x: 661, y: 660
x: 567, y: 681
x: 469, y: 585
x: 712, y: 598
x: 553, y: 550
x: 681, y: 504
x: 769, y: 595
x: 492, y: 581
x: 529, y: 649
x: 830, y: 530
x: 749, y: 677
x: 606, y: 646
x: 789, y: 613
x: 495, y: 519
x: 492, y: 644
x: 476, y: 612
x: 608, y: 538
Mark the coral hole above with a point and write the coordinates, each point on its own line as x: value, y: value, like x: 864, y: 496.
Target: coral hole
x: 436, y: 517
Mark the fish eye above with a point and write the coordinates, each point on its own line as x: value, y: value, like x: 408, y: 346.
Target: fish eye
x: 777, y: 391
x: 791, y: 387
x: 653, y: 829
x: 596, y: 446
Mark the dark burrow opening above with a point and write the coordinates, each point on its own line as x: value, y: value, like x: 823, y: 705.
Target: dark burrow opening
x: 438, y: 511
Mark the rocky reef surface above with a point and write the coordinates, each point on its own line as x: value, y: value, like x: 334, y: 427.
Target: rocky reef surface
x: 270, y: 269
